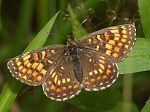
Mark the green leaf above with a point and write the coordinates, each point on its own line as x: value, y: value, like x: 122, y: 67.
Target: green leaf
x: 144, y: 11
x: 146, y: 108
x: 11, y: 89
x: 138, y: 60
x: 98, y: 100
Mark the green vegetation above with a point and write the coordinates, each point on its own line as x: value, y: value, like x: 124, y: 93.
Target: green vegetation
x: 30, y: 24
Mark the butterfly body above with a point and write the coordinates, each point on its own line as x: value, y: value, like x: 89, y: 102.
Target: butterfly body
x: 90, y: 63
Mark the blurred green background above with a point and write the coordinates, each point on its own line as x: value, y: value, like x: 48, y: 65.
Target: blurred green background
x: 21, y: 20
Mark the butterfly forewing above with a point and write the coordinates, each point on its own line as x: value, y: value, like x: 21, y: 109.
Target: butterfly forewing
x: 115, y: 42
x: 61, y: 83
x: 99, y: 71
x: 32, y: 67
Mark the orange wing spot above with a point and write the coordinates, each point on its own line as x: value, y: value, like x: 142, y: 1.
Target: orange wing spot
x: 115, y: 55
x: 34, y: 65
x: 20, y: 67
x: 53, y: 51
x: 91, y: 73
x: 24, y: 70
x: 76, y: 86
x: 43, y: 71
x: 62, y: 67
x: 97, y: 47
x: 49, y: 82
x: 95, y: 71
x: 109, y: 66
x: 26, y: 62
x: 108, y: 52
x: 89, y: 41
x: 50, y: 61
x: 25, y: 57
x: 112, y: 77
x: 58, y: 90
x: 58, y: 82
x: 24, y: 77
x: 39, y: 67
x: 19, y: 74
x: 68, y: 80
x: 124, y: 31
x: 111, y: 42
x: 114, y: 31
x: 100, y: 71
x: 64, y: 88
x: 53, y: 87
x: 101, y: 61
x: 29, y: 71
x: 70, y: 86
x: 106, y: 36
x: 55, y: 79
x: 47, y: 89
x: 105, y: 77
x: 18, y: 63
x: 35, y: 57
x: 123, y: 40
x: 64, y: 94
x: 39, y: 78
x: 99, y: 38
x: 120, y: 44
x: 63, y: 81
x: 124, y: 36
x: 108, y: 72
x: 116, y: 38
x: 43, y: 54
x: 92, y: 80
x: 34, y: 74
x: 98, y: 78
x: 126, y: 46
x: 102, y: 57
x: 29, y: 65
x: 53, y: 75
x: 108, y: 46
x: 90, y: 60
x: 17, y: 59
x: 116, y: 34
x: 116, y: 49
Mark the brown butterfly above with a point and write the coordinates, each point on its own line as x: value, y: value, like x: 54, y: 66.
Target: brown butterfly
x: 90, y: 63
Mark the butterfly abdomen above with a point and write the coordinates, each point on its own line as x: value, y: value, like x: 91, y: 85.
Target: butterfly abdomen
x: 75, y: 61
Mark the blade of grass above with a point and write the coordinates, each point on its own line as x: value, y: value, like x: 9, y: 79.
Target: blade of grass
x: 42, y: 12
x: 24, y: 18
x: 144, y: 11
x: 0, y: 15
x: 10, y: 90
x: 146, y: 107
x: 77, y: 27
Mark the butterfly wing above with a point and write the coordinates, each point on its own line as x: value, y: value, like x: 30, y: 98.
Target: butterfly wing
x: 115, y: 42
x: 32, y: 67
x: 98, y: 71
x: 61, y: 83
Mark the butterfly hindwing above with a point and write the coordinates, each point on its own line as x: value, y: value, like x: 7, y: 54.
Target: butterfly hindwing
x: 61, y: 83
x: 98, y: 71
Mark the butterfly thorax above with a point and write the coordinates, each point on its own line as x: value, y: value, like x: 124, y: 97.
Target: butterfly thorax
x: 73, y: 52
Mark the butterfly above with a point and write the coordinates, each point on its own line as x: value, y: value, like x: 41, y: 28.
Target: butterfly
x: 90, y: 63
